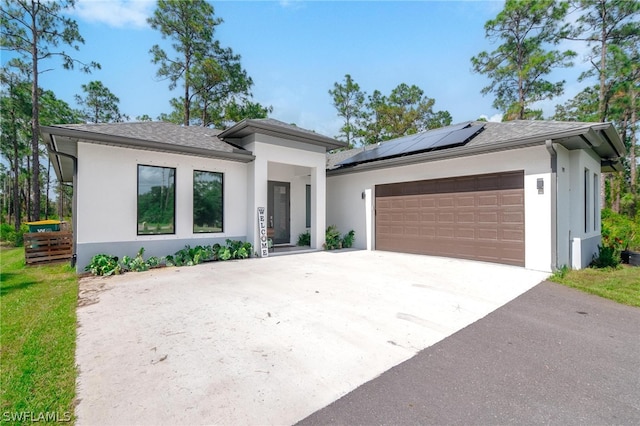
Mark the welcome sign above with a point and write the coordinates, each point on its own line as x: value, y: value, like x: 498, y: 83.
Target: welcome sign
x: 262, y: 231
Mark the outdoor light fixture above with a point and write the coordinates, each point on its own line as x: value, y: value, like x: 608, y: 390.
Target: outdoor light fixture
x: 540, y: 186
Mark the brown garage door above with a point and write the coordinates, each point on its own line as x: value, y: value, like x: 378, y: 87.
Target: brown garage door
x: 472, y: 217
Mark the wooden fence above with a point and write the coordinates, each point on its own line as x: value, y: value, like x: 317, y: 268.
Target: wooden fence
x: 47, y: 247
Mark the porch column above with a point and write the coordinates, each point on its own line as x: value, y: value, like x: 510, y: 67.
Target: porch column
x: 318, y: 207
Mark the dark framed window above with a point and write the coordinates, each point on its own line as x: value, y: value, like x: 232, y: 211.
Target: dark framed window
x: 208, y: 211
x: 587, y: 198
x: 308, y: 206
x: 156, y: 200
x: 596, y: 201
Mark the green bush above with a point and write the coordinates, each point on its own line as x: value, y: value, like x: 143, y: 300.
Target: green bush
x: 333, y: 240
x: 304, y: 239
x: 238, y: 249
x: 620, y: 231
x: 6, y: 232
x: 348, y: 239
x: 608, y: 257
x: 189, y: 256
x: 193, y: 256
x: 9, y: 234
x: 104, y: 265
x: 138, y: 263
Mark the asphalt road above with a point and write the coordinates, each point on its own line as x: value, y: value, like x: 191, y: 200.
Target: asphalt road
x: 554, y: 355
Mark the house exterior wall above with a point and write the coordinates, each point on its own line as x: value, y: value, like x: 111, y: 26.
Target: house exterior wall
x: 277, y: 160
x: 348, y: 209
x: 107, y: 202
x: 564, y: 206
x: 584, y: 194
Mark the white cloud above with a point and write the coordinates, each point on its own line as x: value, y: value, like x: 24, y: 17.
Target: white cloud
x: 495, y: 118
x: 115, y: 13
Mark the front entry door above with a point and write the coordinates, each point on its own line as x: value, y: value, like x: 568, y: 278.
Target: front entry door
x: 278, y: 212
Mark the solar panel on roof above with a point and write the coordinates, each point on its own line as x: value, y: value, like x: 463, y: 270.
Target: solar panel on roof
x: 459, y: 137
x: 440, y: 138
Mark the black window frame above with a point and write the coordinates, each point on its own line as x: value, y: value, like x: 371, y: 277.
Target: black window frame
x: 193, y: 221
x: 173, y: 223
x: 308, y: 206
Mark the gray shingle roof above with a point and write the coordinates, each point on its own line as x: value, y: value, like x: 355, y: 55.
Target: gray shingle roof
x: 156, y: 131
x: 280, y: 129
x: 524, y: 130
x: 336, y: 157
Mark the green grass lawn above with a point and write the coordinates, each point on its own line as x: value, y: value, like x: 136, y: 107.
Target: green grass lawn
x: 37, y: 339
x: 621, y: 285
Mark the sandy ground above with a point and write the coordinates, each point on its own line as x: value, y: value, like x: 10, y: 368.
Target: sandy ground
x: 268, y: 341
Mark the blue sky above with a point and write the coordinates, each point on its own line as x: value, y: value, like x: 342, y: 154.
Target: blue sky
x: 296, y: 50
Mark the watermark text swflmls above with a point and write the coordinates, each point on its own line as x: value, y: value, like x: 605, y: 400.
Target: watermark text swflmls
x: 34, y: 417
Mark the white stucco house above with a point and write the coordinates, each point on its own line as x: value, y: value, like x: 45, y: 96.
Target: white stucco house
x: 124, y: 173
x: 523, y: 192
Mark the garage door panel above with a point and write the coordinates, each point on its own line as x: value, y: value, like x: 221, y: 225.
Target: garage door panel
x: 463, y: 217
x: 446, y: 202
x: 465, y: 201
x: 383, y: 203
x: 411, y: 203
x: 446, y: 217
x: 513, y: 217
x: 476, y: 217
x: 487, y: 234
x: 429, y: 218
x: 428, y: 203
x: 397, y: 203
x: 465, y: 233
x: 411, y: 216
x: 428, y: 231
x: 510, y: 199
x: 487, y: 217
x: 515, y: 235
x: 488, y: 200
x: 445, y: 232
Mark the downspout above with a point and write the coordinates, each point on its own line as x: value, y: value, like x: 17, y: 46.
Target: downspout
x: 554, y: 203
x: 74, y: 203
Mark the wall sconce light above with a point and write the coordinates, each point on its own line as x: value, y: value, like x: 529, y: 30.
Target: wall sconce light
x: 363, y: 195
x: 540, y: 186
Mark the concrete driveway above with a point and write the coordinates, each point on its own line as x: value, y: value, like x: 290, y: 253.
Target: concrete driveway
x: 268, y: 341
x: 553, y: 356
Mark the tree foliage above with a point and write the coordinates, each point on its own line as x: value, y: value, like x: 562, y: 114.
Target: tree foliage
x: 518, y: 67
x: 583, y: 107
x: 35, y: 30
x: 99, y: 104
x: 603, y: 25
x: 611, y: 28
x: 216, y: 87
x: 349, y: 102
x: 15, y: 103
x: 15, y: 132
x: 190, y: 25
x: 407, y: 110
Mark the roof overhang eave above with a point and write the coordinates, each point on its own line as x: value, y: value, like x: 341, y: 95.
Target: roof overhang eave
x: 56, y: 159
x: 235, y: 155
x: 597, y: 136
x: 245, y: 127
